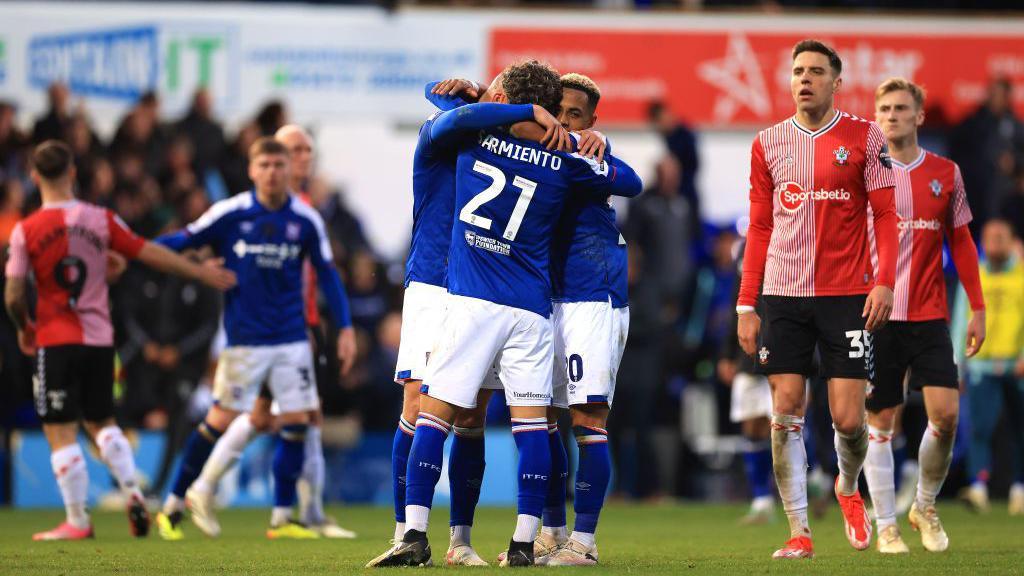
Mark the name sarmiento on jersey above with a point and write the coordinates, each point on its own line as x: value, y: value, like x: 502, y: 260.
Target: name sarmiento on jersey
x: 514, y: 151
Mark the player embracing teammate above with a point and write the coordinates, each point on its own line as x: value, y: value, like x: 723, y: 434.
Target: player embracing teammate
x: 812, y: 179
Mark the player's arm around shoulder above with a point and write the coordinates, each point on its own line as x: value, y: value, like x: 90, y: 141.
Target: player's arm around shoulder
x: 612, y: 176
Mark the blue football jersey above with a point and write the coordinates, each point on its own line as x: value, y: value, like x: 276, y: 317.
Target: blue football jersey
x: 433, y: 182
x: 588, y: 254
x: 266, y: 249
x: 509, y: 195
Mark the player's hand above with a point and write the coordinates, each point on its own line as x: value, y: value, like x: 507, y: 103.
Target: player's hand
x: 592, y: 144
x: 555, y: 136
x: 151, y: 352
x: 347, y: 349
x: 747, y: 329
x: 169, y: 357
x: 27, y: 339
x: 456, y: 86
x: 215, y: 275
x: 877, y: 308
x: 975, y: 333
x: 116, y: 265
x: 726, y: 371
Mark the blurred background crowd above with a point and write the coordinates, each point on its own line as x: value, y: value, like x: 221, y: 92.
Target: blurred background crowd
x: 670, y: 427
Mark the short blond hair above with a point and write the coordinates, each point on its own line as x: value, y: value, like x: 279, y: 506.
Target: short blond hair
x: 583, y: 84
x: 896, y: 84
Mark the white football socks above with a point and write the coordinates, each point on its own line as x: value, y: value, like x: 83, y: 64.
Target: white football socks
x: 116, y: 452
x: 460, y: 536
x: 526, y: 528
x: 934, y: 457
x: 311, y: 483
x: 226, y: 453
x: 789, y: 459
x: 851, y: 450
x: 73, y: 479
x: 879, y: 469
x: 416, y: 518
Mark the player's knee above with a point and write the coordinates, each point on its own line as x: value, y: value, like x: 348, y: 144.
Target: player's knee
x: 945, y: 421
x: 592, y: 415
x: 474, y: 418
x: 261, y: 422
x: 849, y: 423
x: 884, y: 419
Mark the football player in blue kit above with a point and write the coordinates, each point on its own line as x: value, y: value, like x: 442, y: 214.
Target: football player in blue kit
x: 425, y: 293
x: 509, y: 195
x: 591, y: 321
x: 264, y: 236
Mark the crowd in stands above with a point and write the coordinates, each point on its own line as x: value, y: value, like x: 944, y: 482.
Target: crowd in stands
x: 159, y: 174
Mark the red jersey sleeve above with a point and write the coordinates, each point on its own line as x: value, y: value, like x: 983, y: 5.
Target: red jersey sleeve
x: 17, y: 254
x: 959, y: 210
x: 122, y: 239
x: 759, y: 234
x: 965, y: 258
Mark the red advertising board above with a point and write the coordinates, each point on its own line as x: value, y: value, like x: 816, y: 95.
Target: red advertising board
x: 740, y: 78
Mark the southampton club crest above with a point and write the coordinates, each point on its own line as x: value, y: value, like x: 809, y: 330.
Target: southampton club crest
x: 842, y: 154
x: 936, y: 187
x: 762, y: 355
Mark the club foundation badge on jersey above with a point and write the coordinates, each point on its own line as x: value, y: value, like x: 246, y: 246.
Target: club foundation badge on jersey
x: 842, y: 155
x: 762, y: 355
x: 936, y: 187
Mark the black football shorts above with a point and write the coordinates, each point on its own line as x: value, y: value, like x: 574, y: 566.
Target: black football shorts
x: 923, y: 348
x: 74, y: 381
x: 793, y: 327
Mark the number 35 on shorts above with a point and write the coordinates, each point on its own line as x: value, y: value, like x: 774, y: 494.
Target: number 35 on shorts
x: 860, y: 343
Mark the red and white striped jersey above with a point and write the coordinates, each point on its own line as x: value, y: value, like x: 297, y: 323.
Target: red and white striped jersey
x: 809, y: 196
x: 65, y: 245
x: 930, y: 201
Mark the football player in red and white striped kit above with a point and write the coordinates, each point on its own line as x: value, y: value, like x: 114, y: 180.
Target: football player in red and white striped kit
x: 65, y: 246
x: 812, y: 179
x: 930, y: 202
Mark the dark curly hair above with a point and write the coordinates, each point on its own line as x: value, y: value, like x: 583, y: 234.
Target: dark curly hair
x: 533, y: 82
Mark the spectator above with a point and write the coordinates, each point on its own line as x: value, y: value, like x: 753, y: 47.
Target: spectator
x: 204, y: 133
x: 140, y: 132
x: 271, y: 118
x: 995, y: 375
x: 343, y: 226
x: 986, y: 145
x: 660, y: 223
x: 1012, y: 208
x: 13, y: 145
x: 54, y: 124
x: 12, y: 201
x: 234, y: 165
x: 681, y: 142
x: 86, y: 147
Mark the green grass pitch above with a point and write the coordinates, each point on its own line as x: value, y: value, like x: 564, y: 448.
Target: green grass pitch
x: 636, y: 539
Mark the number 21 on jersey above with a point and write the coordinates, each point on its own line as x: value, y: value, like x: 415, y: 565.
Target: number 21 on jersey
x: 498, y: 180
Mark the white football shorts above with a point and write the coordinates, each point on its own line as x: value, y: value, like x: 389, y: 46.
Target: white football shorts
x: 287, y: 369
x: 751, y: 397
x: 422, y: 310
x: 478, y: 338
x: 589, y: 340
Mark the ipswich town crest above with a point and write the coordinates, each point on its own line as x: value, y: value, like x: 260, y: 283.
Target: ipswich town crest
x: 842, y: 154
